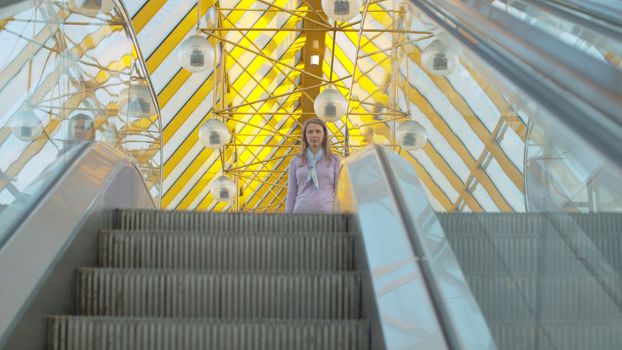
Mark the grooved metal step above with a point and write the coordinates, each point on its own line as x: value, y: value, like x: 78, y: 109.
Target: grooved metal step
x: 178, y: 221
x: 479, y: 252
x: 182, y: 293
x: 532, y: 242
x: 543, y: 281
x: 552, y: 296
x: 227, y: 251
x: 90, y: 333
x: 531, y: 223
x: 567, y: 335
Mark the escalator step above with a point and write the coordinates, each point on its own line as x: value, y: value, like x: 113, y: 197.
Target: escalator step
x: 89, y: 333
x: 567, y: 335
x: 183, y: 293
x: 526, y: 252
x: 272, y: 251
x: 180, y: 221
x: 550, y: 296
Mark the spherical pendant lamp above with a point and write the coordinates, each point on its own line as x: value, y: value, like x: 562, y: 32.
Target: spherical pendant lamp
x: 411, y: 136
x: 135, y: 101
x: 91, y: 8
x: 341, y: 10
x: 196, y: 54
x: 223, y: 189
x: 26, y: 125
x: 330, y: 105
x: 213, y: 134
x: 438, y: 58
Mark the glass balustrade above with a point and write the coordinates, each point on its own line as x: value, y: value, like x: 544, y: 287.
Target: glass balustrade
x: 591, y: 34
x: 70, y: 73
x: 537, y: 233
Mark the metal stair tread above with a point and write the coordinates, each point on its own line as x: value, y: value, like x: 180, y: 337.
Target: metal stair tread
x: 121, y: 333
x: 201, y: 221
x: 218, y: 272
x: 225, y: 233
x: 215, y: 320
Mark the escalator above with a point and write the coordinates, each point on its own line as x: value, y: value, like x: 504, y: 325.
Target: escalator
x: 188, y: 280
x: 535, y: 276
x: 90, y: 263
x: 175, y: 280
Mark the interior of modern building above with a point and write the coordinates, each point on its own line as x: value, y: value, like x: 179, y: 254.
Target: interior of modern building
x: 145, y: 151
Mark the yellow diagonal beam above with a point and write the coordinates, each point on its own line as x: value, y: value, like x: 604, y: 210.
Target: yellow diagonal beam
x: 456, y: 144
x: 145, y: 14
x: 176, y: 123
x: 430, y: 184
x: 31, y: 49
x: 36, y: 146
x: 478, y: 127
x: 287, y: 152
x: 88, y: 43
x: 436, y: 158
x: 176, y: 36
x: 507, y: 113
x: 172, y: 193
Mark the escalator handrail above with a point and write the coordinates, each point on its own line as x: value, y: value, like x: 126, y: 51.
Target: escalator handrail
x: 580, y: 91
x: 98, y: 179
x: 56, y: 175
x: 607, y: 11
x: 442, y: 311
x: 609, y: 27
x: 413, y: 225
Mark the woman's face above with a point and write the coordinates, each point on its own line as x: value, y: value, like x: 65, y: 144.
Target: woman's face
x: 81, y: 130
x: 314, y: 135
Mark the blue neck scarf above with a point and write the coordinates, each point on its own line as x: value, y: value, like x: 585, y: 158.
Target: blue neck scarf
x: 312, y: 159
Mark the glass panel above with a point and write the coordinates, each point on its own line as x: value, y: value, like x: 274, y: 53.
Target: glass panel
x: 604, y: 47
x: 542, y: 256
x: 70, y: 74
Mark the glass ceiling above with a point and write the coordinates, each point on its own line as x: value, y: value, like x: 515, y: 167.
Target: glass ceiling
x: 261, y: 85
x: 472, y: 162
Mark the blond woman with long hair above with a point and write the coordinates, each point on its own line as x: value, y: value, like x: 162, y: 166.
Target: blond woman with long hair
x: 313, y: 172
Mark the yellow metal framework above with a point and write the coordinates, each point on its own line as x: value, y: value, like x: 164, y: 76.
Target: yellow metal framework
x: 263, y: 87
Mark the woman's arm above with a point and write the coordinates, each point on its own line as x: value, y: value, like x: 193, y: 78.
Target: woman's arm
x: 292, y: 187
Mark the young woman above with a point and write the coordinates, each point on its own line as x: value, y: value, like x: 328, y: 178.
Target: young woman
x: 313, y: 173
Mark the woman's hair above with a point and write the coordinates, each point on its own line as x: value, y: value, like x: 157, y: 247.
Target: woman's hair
x: 305, y: 145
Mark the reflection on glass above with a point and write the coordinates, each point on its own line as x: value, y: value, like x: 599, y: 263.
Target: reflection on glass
x: 70, y: 74
x: 546, y: 274
x: 588, y: 40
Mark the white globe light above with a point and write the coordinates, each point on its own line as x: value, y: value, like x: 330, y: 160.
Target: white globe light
x: 26, y: 125
x: 213, y: 134
x: 223, y: 189
x: 330, y: 105
x: 438, y: 58
x: 91, y: 8
x: 196, y: 54
x: 135, y: 101
x: 411, y: 135
x: 341, y: 10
